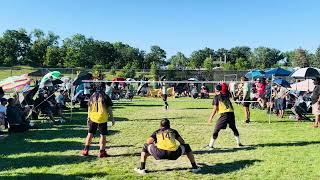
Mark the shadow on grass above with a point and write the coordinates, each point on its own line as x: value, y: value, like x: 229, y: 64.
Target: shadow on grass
x: 298, y: 143
x: 222, y: 168
x: 122, y: 105
x: 53, y: 176
x: 215, y: 151
x: 159, y: 119
x: 41, y: 161
x: 197, y: 108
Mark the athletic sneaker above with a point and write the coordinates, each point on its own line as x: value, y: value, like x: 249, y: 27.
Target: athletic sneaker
x: 240, y: 145
x: 103, y: 154
x: 247, y: 121
x: 210, y: 148
x: 140, y: 171
x: 85, y: 152
x: 196, y: 170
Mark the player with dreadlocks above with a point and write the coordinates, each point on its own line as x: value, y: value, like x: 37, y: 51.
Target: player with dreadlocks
x: 223, y: 106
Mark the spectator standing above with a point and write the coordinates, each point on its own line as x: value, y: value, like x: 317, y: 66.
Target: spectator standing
x: 315, y: 101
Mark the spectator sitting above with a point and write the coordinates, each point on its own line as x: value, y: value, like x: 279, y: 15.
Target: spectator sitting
x: 297, y: 105
x: 204, y: 92
x: 60, y: 105
x: 194, y: 92
x: 16, y: 118
x: 3, y: 111
x: 1, y: 92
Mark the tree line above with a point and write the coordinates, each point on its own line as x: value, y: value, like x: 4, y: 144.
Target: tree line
x: 40, y: 49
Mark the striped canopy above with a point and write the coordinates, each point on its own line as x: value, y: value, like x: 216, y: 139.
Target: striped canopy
x: 15, y: 82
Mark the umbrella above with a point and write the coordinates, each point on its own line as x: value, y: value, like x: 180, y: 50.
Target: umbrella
x: 57, y: 81
x: 81, y: 77
x: 306, y: 73
x: 39, y: 73
x: 277, y: 72
x: 306, y: 85
x: 16, y: 82
x: 255, y: 74
x: 130, y: 79
x: 53, y: 74
x: 282, y: 82
x: 193, y: 79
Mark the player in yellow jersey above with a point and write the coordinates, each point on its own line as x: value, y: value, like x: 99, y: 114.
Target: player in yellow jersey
x: 223, y: 106
x: 99, y: 112
x: 162, y: 145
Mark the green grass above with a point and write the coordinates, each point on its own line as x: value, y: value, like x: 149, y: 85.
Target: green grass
x: 281, y: 150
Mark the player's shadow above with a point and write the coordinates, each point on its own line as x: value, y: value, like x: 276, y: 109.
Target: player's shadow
x: 218, y: 150
x: 41, y: 161
x: 142, y: 105
x: 197, y: 108
x: 297, y: 143
x: 159, y: 119
x: 53, y: 176
x: 222, y: 168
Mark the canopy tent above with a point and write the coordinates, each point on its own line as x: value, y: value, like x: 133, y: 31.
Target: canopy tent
x: 39, y: 73
x: 51, y: 75
x: 306, y: 73
x: 81, y: 77
x: 15, y: 82
x: 255, y: 74
x: 306, y: 85
x: 282, y: 83
x: 277, y: 72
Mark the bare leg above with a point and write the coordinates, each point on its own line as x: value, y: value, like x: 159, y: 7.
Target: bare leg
x: 144, y: 156
x: 191, y: 157
x: 102, y: 142
x: 88, y: 139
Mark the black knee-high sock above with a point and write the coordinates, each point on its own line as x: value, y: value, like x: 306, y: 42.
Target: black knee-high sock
x: 142, y: 165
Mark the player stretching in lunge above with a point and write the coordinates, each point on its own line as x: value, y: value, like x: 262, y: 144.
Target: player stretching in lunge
x: 162, y: 145
x: 223, y: 106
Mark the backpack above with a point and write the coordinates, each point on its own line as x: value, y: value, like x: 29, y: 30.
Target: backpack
x: 97, y: 110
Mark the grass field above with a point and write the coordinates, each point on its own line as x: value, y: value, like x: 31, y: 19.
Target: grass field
x: 283, y: 149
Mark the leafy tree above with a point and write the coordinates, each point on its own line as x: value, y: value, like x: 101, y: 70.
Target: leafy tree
x: 242, y: 64
x: 208, y: 64
x: 129, y: 71
x: 154, y: 71
x: 316, y: 59
x: 301, y: 58
x: 264, y: 57
x: 228, y: 66
x: 156, y: 55
x: 222, y: 53
x: 237, y: 52
x: 14, y: 47
x: 178, y: 61
x: 53, y: 57
x: 197, y: 57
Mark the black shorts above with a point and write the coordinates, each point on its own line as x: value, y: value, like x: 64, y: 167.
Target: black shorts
x: 164, y: 97
x: 226, y: 119
x: 163, y: 154
x: 103, y: 127
x: 246, y: 104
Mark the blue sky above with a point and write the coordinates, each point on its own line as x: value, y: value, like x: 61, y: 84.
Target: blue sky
x: 174, y: 25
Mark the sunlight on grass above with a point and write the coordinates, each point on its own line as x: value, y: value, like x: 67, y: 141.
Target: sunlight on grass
x: 281, y: 150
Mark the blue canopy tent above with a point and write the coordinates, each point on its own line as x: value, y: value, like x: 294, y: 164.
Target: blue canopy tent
x: 277, y: 72
x: 255, y: 74
x: 282, y: 82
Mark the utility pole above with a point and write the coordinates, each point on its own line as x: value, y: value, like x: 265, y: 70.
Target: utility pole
x: 225, y: 58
